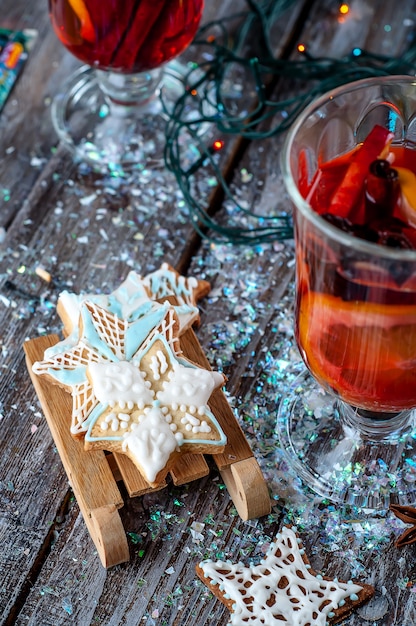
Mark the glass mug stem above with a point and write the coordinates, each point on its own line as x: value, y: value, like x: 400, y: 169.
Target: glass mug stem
x: 376, y: 426
x: 130, y: 90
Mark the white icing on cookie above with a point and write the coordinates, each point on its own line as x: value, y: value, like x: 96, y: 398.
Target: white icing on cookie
x: 166, y: 282
x: 195, y: 425
x: 115, y: 421
x: 129, y: 386
x: 189, y: 386
x: 151, y: 442
x: 158, y: 365
x: 280, y: 590
x: 120, y: 383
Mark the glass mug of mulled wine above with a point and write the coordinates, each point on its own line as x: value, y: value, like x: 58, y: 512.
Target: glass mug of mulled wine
x: 105, y: 111
x: 347, y: 425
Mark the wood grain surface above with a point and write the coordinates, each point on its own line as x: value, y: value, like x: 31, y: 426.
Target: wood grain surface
x: 88, y: 234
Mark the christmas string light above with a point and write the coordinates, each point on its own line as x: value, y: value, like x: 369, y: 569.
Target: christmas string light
x: 208, y: 111
x: 216, y: 146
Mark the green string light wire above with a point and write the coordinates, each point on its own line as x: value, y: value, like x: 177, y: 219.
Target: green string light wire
x: 206, y: 109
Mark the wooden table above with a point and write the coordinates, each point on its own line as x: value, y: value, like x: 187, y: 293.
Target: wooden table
x: 88, y: 233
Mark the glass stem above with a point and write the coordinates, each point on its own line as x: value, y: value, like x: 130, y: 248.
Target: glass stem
x: 376, y: 426
x: 126, y: 91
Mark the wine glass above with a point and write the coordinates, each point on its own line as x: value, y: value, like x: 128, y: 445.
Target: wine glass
x: 109, y: 112
x: 347, y: 423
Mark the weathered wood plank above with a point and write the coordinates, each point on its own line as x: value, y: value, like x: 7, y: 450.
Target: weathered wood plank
x: 251, y: 362
x: 50, y: 230
x: 161, y: 528
x: 69, y: 585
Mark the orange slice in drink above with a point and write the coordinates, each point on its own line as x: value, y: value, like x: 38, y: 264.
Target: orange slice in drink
x: 87, y: 27
x: 365, y: 352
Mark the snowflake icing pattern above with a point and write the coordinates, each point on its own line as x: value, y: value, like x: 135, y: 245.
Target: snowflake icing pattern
x: 136, y: 297
x: 130, y: 384
x: 280, y: 590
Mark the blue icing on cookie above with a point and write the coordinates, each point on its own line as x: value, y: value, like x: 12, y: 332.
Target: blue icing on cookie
x: 138, y: 331
x: 70, y: 377
x: 91, y: 335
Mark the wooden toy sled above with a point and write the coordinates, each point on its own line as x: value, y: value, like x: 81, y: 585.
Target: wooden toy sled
x: 93, y: 475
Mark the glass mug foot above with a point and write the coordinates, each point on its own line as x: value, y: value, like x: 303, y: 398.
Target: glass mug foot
x: 347, y: 457
x: 102, y: 124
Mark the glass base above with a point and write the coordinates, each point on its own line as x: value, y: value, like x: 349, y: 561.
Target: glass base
x: 345, y: 456
x: 116, y: 123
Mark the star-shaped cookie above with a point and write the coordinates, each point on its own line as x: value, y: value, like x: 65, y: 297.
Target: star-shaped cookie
x: 282, y: 589
x: 134, y: 392
x: 138, y: 294
x: 166, y: 281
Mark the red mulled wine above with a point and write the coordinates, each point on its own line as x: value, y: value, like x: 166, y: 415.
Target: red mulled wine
x: 127, y: 36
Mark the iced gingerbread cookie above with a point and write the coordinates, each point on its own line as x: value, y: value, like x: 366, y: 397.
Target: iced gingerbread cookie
x: 282, y: 590
x: 136, y: 296
x: 166, y: 281
x: 133, y: 391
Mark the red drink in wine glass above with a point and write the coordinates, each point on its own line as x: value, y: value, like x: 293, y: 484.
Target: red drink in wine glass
x: 128, y: 36
x: 109, y: 113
